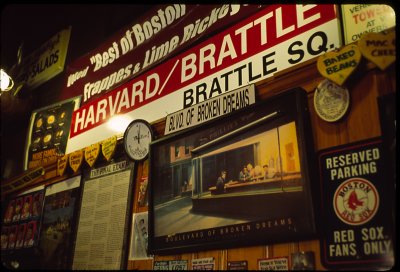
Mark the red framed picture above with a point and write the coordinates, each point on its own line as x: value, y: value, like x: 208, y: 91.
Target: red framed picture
x: 26, y: 207
x: 30, y: 234
x: 20, y: 236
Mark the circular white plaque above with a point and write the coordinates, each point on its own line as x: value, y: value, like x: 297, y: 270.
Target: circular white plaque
x: 331, y: 101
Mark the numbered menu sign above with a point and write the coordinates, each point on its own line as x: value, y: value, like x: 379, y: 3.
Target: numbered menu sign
x: 357, y: 207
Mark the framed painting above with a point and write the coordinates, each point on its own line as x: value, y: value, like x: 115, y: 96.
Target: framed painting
x: 242, y: 179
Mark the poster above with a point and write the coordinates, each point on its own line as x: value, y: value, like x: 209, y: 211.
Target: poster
x: 59, y: 223
x: 21, y: 220
x: 102, y: 233
x: 356, y: 206
x: 48, y: 133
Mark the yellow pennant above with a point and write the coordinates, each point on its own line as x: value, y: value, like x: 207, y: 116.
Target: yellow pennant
x: 108, y: 147
x: 92, y: 153
x: 75, y: 160
x: 379, y: 48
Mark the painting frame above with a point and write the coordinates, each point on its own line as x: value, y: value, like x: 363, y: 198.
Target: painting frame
x: 188, y: 212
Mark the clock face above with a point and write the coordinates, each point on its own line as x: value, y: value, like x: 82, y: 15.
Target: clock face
x: 137, y: 139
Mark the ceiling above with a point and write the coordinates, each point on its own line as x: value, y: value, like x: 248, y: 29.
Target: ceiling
x: 34, y: 24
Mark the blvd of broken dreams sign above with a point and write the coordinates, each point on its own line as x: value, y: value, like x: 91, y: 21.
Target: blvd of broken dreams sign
x: 357, y: 206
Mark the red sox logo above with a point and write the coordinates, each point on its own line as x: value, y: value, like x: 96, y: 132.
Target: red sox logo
x: 356, y: 201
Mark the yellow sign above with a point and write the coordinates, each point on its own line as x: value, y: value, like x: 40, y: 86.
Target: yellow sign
x: 92, y: 153
x: 47, y: 61
x: 75, y: 160
x: 338, y: 66
x: 379, y: 48
x: 62, y: 164
x: 108, y: 147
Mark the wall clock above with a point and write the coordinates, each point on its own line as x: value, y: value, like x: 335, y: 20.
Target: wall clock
x: 137, y: 139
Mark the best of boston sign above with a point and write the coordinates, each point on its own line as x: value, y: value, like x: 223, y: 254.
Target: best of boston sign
x: 357, y: 206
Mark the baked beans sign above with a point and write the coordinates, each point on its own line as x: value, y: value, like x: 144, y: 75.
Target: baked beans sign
x: 357, y: 206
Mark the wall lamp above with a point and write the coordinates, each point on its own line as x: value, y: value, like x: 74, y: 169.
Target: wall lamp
x: 6, y: 82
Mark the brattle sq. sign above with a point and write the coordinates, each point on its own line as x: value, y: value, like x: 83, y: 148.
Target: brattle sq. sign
x: 261, y: 45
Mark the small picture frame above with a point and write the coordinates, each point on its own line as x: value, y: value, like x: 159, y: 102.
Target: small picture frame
x: 20, y: 236
x: 18, y: 209
x: 8, y: 216
x: 37, y: 204
x: 30, y: 234
x: 303, y: 260
x: 12, y: 236
x: 26, y: 207
x: 4, y: 237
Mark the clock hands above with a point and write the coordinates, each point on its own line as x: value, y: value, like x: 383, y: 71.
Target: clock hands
x: 137, y: 137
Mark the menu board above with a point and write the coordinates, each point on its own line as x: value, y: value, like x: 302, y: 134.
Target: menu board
x: 103, y: 221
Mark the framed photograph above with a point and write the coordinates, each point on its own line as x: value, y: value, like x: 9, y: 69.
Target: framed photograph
x: 242, y: 179
x: 26, y: 207
x: 4, y: 237
x: 18, y: 209
x: 31, y: 233
x: 9, y: 212
x: 20, y: 236
x: 303, y: 260
x: 37, y: 204
x: 139, y: 237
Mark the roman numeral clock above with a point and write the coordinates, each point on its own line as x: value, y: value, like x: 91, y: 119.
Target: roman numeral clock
x: 137, y: 138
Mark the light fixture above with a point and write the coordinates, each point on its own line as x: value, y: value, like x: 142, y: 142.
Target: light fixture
x: 118, y: 123
x: 6, y: 82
